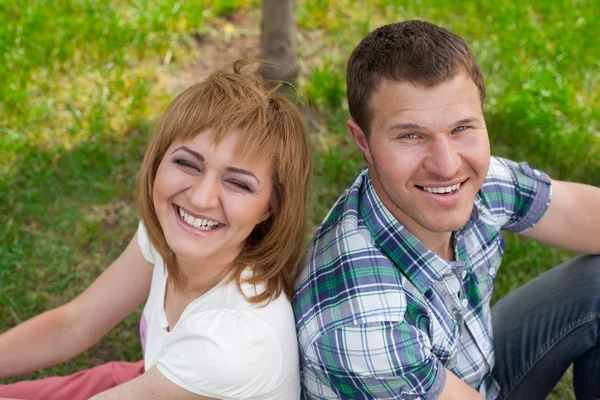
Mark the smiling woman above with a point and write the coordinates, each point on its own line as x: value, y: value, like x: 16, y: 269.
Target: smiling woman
x: 222, y: 196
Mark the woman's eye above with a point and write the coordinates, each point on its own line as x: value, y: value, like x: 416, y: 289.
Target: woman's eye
x: 241, y: 185
x: 186, y: 164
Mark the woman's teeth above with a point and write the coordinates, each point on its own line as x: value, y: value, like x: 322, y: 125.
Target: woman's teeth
x: 447, y: 189
x: 202, y: 224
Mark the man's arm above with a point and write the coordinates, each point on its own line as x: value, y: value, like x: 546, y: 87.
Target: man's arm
x: 572, y: 221
x: 383, y: 360
x: 456, y: 389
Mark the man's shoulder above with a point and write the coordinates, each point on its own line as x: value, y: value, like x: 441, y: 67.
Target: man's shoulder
x: 500, y: 183
x: 503, y: 171
x: 347, y: 280
x: 510, y: 190
x: 342, y: 225
x: 499, y: 171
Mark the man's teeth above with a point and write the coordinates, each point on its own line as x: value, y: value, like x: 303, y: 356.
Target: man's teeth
x: 203, y: 224
x: 446, y: 189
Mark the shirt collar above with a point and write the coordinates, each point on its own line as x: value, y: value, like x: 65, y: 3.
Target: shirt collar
x: 417, y: 262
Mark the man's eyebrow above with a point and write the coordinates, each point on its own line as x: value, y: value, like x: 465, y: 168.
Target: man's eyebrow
x: 468, y: 120
x: 190, y: 151
x: 408, y: 125
x: 242, y: 171
x: 411, y: 125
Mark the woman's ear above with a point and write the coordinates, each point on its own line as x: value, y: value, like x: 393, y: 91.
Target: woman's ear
x: 265, y: 215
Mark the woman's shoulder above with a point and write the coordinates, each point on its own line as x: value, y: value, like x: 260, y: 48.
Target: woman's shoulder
x: 146, y: 247
x: 227, y: 305
x: 276, y: 315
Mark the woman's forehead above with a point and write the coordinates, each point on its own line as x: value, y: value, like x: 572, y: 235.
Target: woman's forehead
x: 236, y: 144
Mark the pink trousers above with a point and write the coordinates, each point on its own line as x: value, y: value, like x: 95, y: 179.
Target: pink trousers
x: 79, y: 386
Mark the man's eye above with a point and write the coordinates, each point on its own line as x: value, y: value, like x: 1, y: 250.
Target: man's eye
x: 460, y: 128
x: 409, y: 136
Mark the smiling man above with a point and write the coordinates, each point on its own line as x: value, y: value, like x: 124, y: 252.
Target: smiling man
x: 394, y: 299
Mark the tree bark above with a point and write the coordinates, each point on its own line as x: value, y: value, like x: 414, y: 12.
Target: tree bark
x: 278, y: 39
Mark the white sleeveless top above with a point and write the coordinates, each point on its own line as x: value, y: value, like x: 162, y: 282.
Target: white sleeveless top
x: 222, y: 346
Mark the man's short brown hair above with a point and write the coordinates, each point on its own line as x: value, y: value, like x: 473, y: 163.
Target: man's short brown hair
x: 411, y: 51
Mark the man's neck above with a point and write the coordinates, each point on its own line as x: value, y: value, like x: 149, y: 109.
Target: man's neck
x: 441, y: 243
x: 443, y: 246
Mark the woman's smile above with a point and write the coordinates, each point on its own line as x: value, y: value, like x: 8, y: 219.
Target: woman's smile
x: 197, y: 222
x: 207, y: 201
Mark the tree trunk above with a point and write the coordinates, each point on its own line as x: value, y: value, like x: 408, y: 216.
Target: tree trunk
x: 278, y: 39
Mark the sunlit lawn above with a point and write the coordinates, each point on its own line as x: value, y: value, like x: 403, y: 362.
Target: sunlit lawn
x: 81, y: 85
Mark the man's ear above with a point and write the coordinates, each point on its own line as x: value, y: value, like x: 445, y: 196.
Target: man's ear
x: 360, y: 139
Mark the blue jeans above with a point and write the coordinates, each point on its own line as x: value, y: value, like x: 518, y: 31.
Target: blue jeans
x: 546, y: 325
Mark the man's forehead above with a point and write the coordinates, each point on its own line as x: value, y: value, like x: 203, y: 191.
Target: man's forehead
x: 406, y: 105
x: 396, y: 97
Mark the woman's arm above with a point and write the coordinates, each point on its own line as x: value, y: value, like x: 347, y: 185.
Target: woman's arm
x: 64, y: 332
x: 150, y: 385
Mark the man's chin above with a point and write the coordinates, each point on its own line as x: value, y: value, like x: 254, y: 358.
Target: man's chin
x: 446, y: 225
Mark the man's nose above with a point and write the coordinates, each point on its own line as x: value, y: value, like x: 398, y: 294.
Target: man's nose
x: 443, y: 158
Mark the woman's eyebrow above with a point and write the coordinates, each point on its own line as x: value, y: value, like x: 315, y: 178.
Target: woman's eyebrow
x: 230, y: 169
x: 190, y: 151
x: 242, y: 171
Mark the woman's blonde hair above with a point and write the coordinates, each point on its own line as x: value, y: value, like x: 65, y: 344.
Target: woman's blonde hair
x: 273, y: 131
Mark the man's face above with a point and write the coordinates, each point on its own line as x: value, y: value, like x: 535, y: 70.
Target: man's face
x: 428, y: 152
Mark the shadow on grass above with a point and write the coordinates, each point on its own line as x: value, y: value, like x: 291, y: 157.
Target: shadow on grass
x: 65, y: 215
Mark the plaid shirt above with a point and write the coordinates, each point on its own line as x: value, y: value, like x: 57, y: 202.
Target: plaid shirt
x: 379, y: 315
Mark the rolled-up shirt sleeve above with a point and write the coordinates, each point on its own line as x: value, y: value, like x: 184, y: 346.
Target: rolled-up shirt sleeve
x: 517, y: 194
x: 391, y: 360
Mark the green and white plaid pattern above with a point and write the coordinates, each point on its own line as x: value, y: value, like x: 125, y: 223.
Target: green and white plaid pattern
x: 380, y: 316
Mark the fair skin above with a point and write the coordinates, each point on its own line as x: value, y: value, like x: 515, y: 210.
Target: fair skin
x: 572, y: 221
x: 64, y: 332
x: 424, y: 141
x: 230, y: 197
x: 203, y: 181
x: 427, y: 140
x: 227, y: 197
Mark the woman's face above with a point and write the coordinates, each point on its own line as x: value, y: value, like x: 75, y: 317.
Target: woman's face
x: 207, y: 202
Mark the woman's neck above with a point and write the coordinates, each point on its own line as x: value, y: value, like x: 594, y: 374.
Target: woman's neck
x: 198, y: 277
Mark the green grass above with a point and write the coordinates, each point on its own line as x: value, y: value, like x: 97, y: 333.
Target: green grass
x: 81, y: 83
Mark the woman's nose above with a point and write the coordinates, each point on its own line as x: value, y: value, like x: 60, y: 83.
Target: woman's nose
x: 204, y: 192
